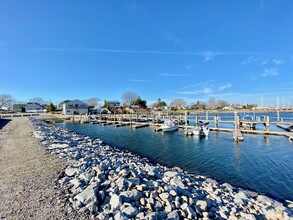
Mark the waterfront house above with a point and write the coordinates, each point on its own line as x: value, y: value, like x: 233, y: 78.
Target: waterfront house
x: 113, y: 104
x: 18, y: 107
x: 75, y: 107
x: 32, y: 107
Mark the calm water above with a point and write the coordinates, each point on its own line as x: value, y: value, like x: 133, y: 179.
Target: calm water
x: 263, y: 164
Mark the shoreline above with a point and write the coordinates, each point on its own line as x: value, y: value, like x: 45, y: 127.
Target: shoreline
x: 109, y: 182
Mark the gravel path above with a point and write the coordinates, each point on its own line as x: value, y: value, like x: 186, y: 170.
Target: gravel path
x: 27, y: 175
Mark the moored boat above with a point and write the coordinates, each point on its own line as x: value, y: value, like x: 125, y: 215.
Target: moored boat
x: 169, y: 125
x: 201, y: 129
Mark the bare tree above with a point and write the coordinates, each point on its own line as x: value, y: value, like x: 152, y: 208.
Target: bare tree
x: 212, y: 103
x: 222, y: 103
x: 129, y: 97
x: 39, y: 100
x: 6, y: 101
x: 178, y: 103
x: 92, y: 101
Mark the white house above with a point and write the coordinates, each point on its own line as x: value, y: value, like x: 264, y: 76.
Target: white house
x: 75, y: 107
x: 113, y: 104
x: 34, y: 107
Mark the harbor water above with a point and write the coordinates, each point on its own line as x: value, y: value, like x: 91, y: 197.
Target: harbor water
x: 261, y: 163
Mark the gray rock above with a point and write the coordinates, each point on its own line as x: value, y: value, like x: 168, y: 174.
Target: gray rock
x: 184, y: 206
x: 140, y: 216
x: 164, y: 196
x: 124, y: 172
x: 264, y: 200
x: 76, y: 205
x: 177, y: 202
x: 173, y: 193
x: 85, y: 176
x: 103, y: 216
x: 76, y: 182
x: 190, y: 213
x: 115, y: 201
x: 176, y: 181
x: 247, y: 216
x: 120, y: 216
x: 131, y: 196
x: 156, y: 216
x: 202, y: 204
x: 130, y: 212
x: 168, y: 207
x: 92, y: 207
x: 158, y: 206
x: 88, y: 195
x: 174, y: 215
x: 72, y: 171
x: 170, y: 174
x: 240, y: 198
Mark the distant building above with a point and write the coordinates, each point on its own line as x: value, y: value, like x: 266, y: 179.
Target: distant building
x: 18, y: 107
x: 75, y: 107
x: 32, y: 107
x: 113, y: 104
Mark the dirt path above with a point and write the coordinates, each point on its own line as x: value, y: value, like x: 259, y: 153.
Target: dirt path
x: 27, y: 175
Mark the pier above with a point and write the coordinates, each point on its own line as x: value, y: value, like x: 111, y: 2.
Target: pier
x: 155, y: 120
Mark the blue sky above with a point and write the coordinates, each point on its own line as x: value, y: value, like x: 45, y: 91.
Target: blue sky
x: 231, y: 50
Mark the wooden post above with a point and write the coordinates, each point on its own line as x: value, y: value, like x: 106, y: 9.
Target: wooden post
x: 130, y: 120
x: 196, y: 119
x: 267, y: 123
x: 100, y: 117
x: 237, y: 135
x: 73, y: 117
x: 186, y: 125
x: 278, y: 116
x: 216, y: 119
x: 89, y: 117
x: 207, y: 115
x: 114, y: 116
x: 153, y: 118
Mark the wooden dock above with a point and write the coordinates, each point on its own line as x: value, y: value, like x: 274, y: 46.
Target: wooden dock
x: 285, y: 127
x: 140, y: 125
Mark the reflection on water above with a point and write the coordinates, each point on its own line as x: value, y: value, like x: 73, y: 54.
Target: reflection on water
x: 261, y: 163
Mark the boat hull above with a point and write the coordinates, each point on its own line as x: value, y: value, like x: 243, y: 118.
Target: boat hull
x: 167, y: 128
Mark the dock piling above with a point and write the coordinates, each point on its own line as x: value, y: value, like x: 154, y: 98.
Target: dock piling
x: 186, y: 125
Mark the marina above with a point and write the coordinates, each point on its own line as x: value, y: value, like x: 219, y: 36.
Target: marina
x: 260, y: 124
x: 261, y: 162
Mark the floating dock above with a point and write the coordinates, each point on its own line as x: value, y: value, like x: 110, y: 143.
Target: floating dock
x: 286, y: 128
x: 140, y: 125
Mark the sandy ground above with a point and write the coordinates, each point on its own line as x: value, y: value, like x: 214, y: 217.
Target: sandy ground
x: 27, y: 175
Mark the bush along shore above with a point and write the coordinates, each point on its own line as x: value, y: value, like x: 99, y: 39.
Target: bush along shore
x: 108, y: 183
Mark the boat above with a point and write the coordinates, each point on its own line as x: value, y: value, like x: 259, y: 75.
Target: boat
x: 169, y: 125
x: 201, y: 129
x: 247, y: 123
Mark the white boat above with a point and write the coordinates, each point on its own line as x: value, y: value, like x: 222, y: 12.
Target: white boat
x: 201, y: 129
x: 169, y: 126
x: 196, y: 131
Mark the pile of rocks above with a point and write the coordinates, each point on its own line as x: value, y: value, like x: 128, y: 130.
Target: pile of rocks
x: 109, y: 183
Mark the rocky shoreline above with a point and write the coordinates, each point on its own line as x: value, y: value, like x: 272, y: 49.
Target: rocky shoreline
x: 108, y: 183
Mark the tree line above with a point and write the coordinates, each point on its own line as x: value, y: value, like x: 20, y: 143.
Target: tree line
x: 130, y: 99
